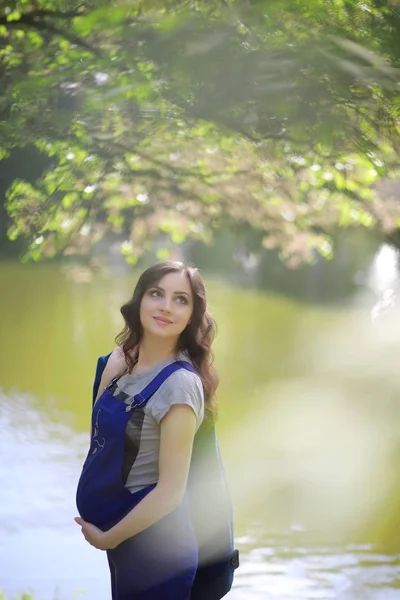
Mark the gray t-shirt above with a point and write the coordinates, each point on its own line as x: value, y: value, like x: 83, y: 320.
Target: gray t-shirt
x: 142, y: 437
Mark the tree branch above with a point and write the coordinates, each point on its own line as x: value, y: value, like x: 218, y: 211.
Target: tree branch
x: 58, y: 14
x: 35, y: 20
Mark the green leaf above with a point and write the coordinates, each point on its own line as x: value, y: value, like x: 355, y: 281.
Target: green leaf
x: 164, y: 254
x: 13, y: 16
x: 69, y: 200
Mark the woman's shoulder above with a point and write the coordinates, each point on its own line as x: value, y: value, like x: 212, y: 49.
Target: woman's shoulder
x: 185, y: 379
x: 181, y: 387
x: 184, y: 357
x: 117, y: 360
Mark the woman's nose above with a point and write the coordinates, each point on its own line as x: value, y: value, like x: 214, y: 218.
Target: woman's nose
x: 166, y: 303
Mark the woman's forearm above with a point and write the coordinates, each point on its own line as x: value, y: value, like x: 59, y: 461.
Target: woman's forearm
x: 158, y: 503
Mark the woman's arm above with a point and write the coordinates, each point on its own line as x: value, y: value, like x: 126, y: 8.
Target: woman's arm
x: 178, y: 428
x: 176, y: 443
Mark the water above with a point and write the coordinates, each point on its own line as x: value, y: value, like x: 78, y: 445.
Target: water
x: 309, y: 403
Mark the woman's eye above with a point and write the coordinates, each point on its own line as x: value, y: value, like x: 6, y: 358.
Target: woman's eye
x: 181, y: 299
x: 155, y: 293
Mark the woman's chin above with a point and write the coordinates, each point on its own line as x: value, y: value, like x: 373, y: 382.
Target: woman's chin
x: 163, y: 332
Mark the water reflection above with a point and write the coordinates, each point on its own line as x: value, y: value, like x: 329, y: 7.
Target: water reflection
x: 282, y: 570
x: 383, y: 280
x: 42, y: 551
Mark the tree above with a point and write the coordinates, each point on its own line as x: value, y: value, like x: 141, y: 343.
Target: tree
x: 182, y: 116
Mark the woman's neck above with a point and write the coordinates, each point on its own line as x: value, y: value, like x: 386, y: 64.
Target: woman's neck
x: 152, y: 352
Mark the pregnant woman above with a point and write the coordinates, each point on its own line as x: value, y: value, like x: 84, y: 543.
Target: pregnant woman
x: 132, y: 494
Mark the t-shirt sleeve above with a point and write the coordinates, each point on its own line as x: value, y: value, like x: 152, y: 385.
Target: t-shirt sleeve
x: 182, y: 387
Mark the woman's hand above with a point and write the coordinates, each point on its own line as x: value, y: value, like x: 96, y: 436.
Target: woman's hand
x: 102, y: 540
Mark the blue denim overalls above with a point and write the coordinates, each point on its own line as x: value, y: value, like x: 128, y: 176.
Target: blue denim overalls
x: 160, y: 562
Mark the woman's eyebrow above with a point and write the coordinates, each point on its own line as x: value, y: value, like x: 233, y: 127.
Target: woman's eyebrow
x: 181, y: 293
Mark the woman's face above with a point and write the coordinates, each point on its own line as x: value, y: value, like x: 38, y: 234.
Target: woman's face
x: 167, y: 306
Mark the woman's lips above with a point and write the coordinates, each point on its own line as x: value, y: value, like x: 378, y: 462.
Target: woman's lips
x: 162, y: 321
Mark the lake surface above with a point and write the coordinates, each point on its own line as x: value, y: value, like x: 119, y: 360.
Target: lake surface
x: 309, y: 427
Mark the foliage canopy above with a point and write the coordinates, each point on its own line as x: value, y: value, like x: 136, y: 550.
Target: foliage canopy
x: 182, y: 116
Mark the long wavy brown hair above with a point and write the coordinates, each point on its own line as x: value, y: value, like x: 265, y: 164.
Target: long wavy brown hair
x: 195, y: 339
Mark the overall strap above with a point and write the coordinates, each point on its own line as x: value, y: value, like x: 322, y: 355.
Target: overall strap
x: 144, y: 396
x: 101, y: 363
